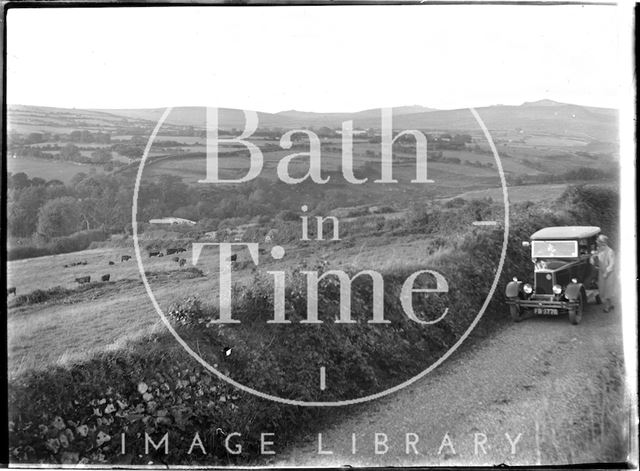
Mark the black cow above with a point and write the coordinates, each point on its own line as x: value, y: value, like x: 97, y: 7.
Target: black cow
x: 234, y: 257
x: 11, y: 290
x: 111, y: 263
x: 154, y: 254
x: 181, y: 249
x: 124, y: 258
x: 83, y: 279
x: 182, y: 262
x: 171, y: 251
x: 105, y: 277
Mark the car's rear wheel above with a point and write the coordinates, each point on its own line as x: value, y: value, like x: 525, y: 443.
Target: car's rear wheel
x: 575, y: 314
x: 516, y: 312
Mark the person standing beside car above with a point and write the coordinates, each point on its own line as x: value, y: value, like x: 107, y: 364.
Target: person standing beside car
x: 604, y: 259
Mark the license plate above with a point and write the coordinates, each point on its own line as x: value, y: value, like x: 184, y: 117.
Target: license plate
x: 546, y: 311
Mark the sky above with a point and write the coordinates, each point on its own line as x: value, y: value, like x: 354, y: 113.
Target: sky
x: 329, y: 58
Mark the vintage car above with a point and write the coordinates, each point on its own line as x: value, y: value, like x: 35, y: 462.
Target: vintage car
x: 563, y: 278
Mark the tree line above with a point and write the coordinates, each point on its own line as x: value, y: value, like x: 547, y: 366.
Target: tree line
x: 46, y: 209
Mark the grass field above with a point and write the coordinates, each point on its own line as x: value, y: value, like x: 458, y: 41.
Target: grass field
x: 518, y: 194
x: 106, y: 316
x: 192, y: 168
x: 50, y: 169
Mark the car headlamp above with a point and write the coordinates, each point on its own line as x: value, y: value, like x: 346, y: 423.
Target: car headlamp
x: 557, y: 289
x: 528, y: 289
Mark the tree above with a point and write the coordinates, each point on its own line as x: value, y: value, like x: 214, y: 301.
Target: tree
x: 101, y: 156
x: 100, y: 205
x: 59, y: 217
x: 22, y: 210
x: 70, y: 152
x: 19, y: 180
x: 172, y: 192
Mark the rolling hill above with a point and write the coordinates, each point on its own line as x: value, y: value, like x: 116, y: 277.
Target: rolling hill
x: 543, y: 116
x: 597, y: 124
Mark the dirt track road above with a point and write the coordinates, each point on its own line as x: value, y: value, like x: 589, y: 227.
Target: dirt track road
x: 538, y: 378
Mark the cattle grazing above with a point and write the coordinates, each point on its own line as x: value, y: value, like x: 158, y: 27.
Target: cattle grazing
x: 176, y: 259
x: 234, y: 257
x: 171, y: 251
x: 160, y: 254
x: 105, y: 277
x: 124, y: 258
x: 182, y: 262
x: 84, y: 262
x: 181, y: 249
x: 83, y: 279
x: 111, y: 263
x: 11, y: 290
x: 154, y: 254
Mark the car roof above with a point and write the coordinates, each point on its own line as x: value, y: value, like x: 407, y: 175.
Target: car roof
x: 566, y: 232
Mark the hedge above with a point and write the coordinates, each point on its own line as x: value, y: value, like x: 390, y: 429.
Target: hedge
x: 71, y: 243
x: 76, y: 414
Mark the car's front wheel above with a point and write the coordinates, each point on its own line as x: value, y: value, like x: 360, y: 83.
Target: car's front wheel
x: 516, y: 312
x: 575, y: 313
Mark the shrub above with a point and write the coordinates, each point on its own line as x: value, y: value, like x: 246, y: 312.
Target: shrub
x: 40, y: 296
x: 78, y: 241
x: 455, y: 203
x: 188, y: 312
x: 55, y: 293
x: 287, y: 215
x: 72, y: 243
x: 27, y: 251
x: 592, y: 205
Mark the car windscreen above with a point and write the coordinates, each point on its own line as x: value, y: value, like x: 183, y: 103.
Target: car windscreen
x: 554, y: 248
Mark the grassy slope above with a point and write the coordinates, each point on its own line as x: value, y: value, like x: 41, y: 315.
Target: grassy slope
x: 50, y: 333
x: 49, y: 169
